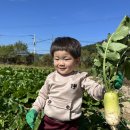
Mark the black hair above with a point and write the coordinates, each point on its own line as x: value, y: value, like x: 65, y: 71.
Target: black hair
x: 68, y: 44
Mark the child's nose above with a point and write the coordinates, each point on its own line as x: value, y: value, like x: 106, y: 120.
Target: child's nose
x: 61, y: 62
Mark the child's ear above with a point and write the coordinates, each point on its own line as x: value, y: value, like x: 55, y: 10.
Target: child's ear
x: 78, y: 60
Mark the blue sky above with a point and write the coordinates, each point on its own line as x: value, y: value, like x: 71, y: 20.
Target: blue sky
x: 88, y: 21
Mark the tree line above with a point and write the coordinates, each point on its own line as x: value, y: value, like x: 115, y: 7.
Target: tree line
x: 18, y: 53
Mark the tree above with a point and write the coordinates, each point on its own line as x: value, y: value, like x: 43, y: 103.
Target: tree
x: 46, y: 60
x: 10, y: 53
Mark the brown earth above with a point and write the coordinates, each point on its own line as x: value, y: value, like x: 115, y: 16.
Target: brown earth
x: 125, y: 100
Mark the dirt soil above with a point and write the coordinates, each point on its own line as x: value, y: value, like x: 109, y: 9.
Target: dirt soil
x: 125, y: 101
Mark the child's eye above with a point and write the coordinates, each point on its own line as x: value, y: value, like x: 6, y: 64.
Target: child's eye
x: 67, y: 59
x: 56, y: 59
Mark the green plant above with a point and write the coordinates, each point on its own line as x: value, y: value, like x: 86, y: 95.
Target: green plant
x: 114, y: 54
x: 19, y: 88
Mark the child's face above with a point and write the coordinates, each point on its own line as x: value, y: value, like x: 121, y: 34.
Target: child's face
x: 64, y: 63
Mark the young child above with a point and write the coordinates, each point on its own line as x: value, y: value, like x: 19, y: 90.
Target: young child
x: 61, y: 95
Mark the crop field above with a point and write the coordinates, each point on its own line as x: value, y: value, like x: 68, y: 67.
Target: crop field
x: 19, y: 87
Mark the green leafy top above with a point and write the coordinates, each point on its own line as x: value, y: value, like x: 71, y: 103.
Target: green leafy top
x: 113, y: 54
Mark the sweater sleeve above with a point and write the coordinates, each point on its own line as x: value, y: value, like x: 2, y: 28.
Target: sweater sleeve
x: 93, y: 88
x: 42, y: 96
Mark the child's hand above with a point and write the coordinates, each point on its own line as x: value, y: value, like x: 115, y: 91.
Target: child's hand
x: 31, y: 117
x: 119, y: 81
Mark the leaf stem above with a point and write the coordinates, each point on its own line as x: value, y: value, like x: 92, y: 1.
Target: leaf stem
x: 104, y: 65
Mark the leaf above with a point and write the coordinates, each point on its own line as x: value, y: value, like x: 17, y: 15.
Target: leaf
x: 125, y: 22
x: 113, y: 78
x: 100, y: 50
x: 121, y: 33
x: 114, y: 46
x: 123, y: 29
x: 97, y: 62
x: 24, y: 100
x: 113, y: 56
